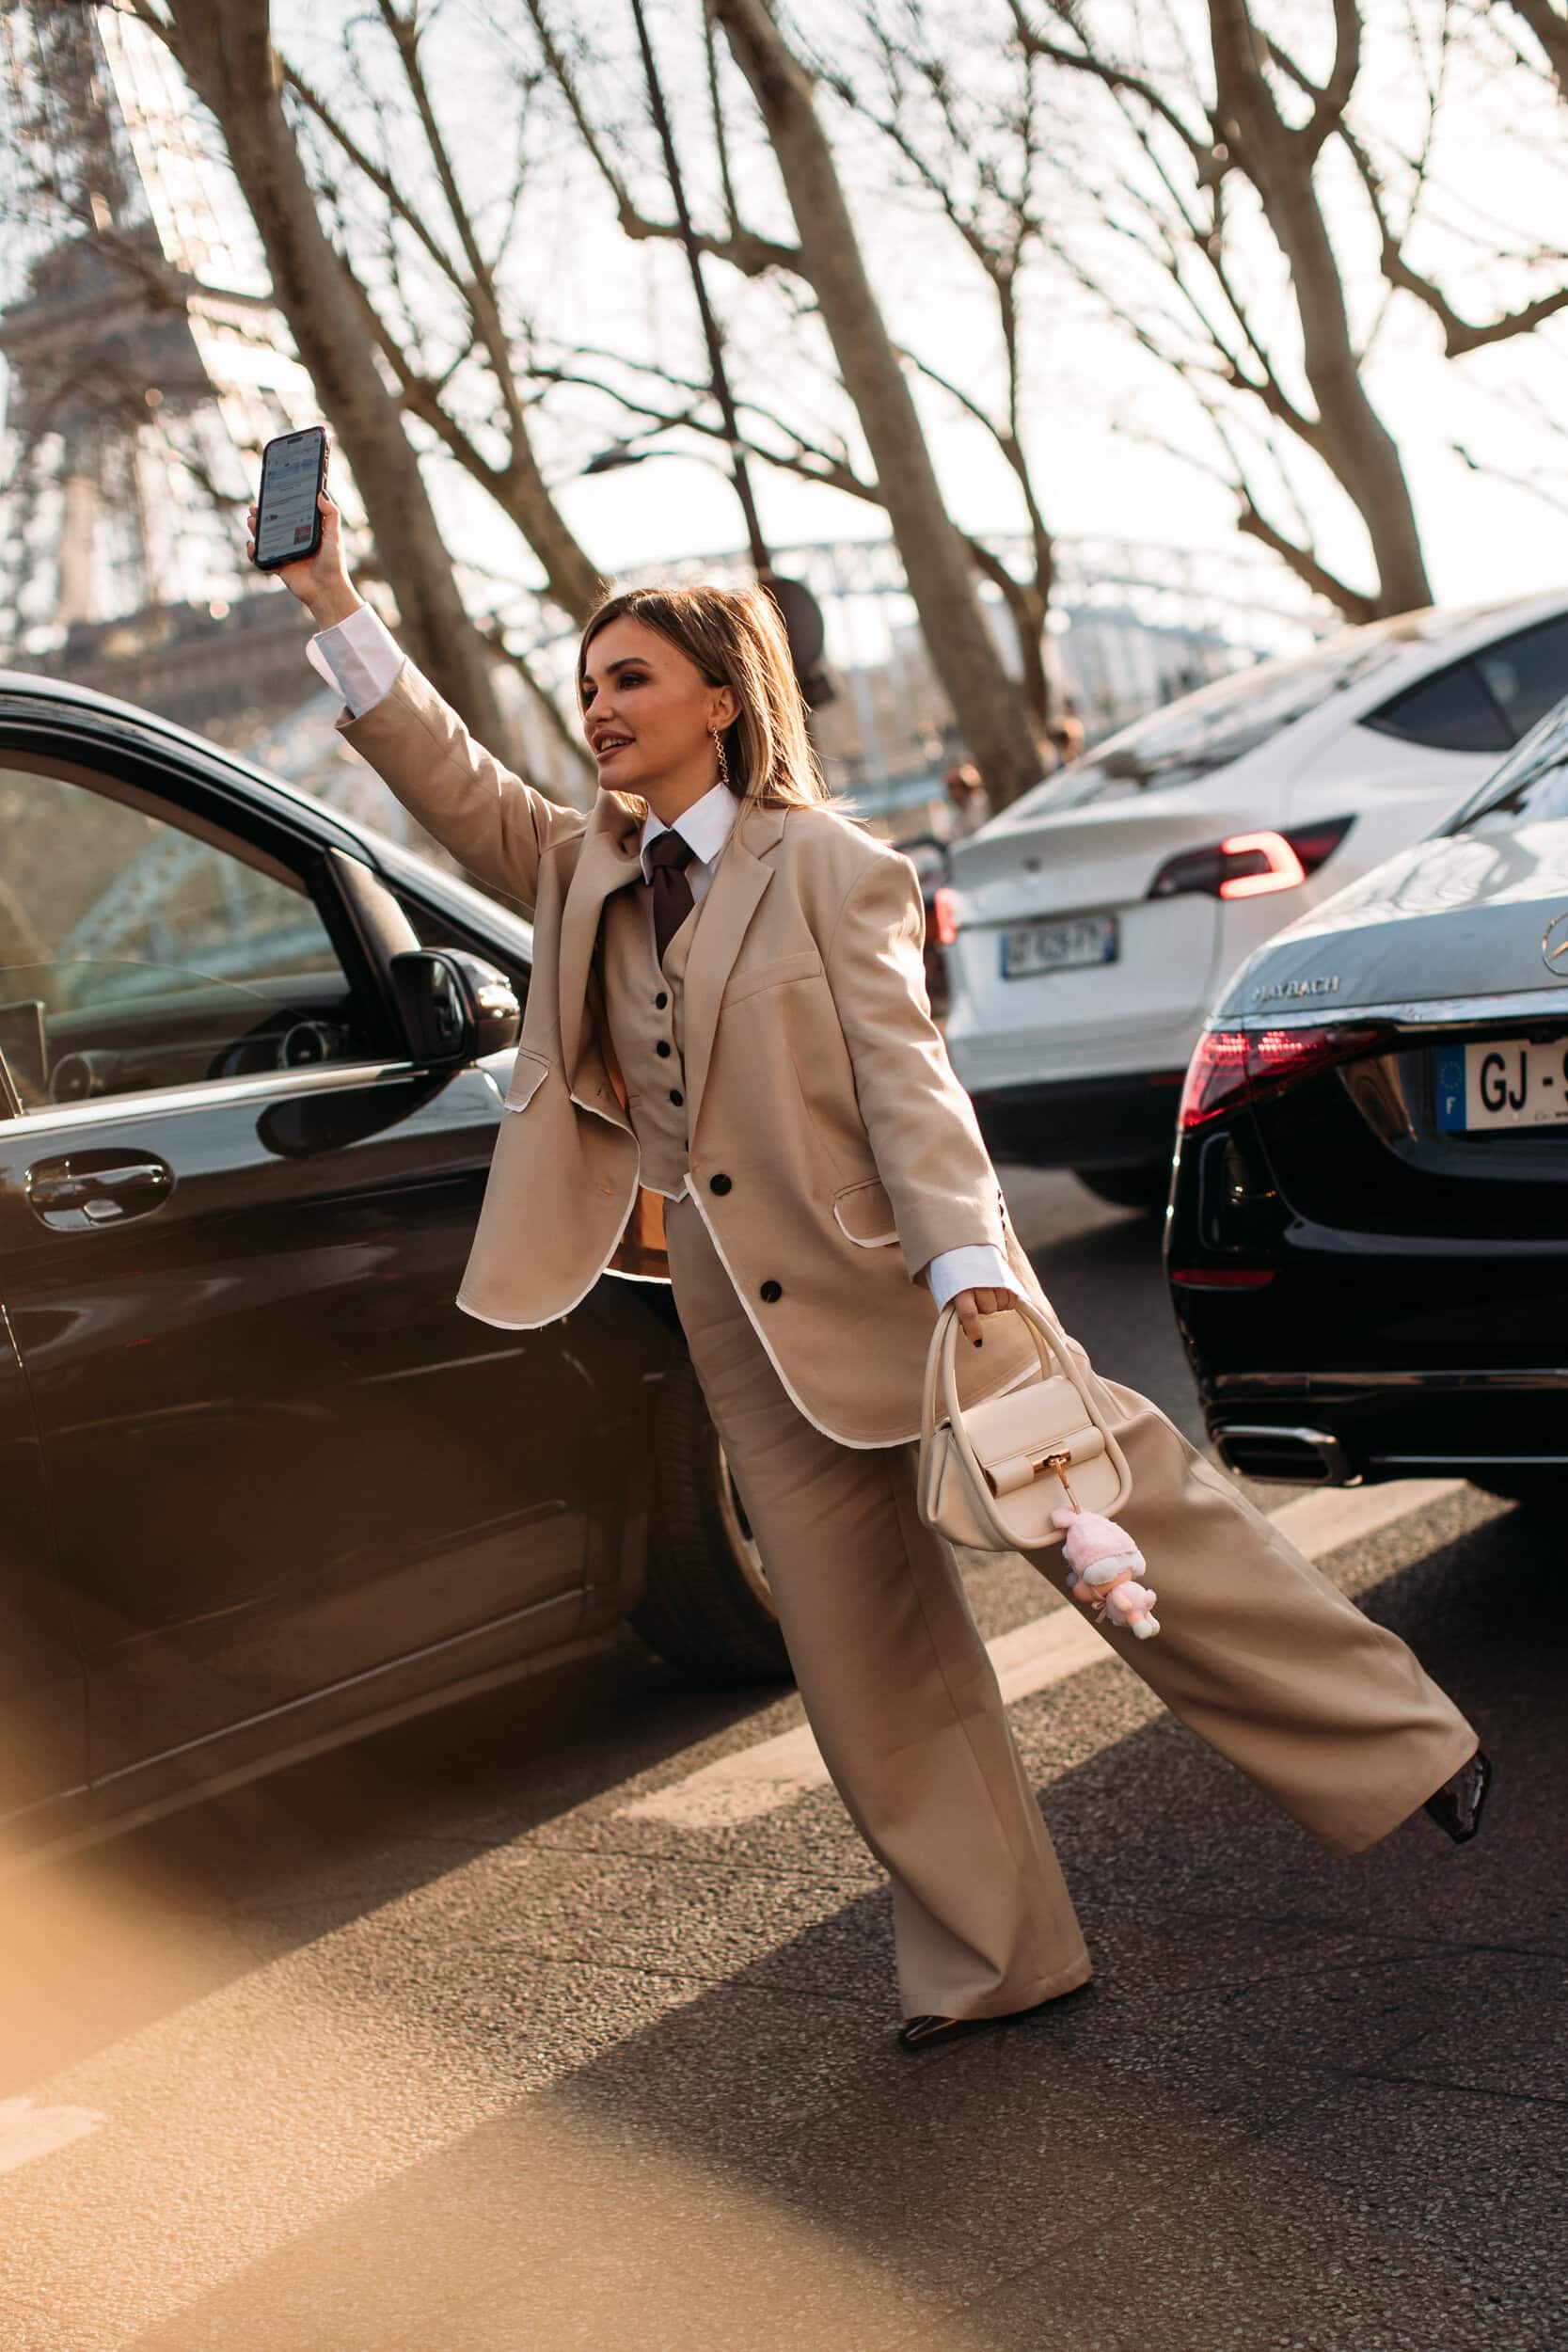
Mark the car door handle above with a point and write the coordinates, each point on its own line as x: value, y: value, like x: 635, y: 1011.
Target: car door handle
x: 88, y: 1189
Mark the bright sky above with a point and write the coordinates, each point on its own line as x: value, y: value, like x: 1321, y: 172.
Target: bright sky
x: 1098, y: 408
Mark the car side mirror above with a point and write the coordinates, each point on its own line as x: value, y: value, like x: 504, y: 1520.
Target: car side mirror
x: 455, y: 1008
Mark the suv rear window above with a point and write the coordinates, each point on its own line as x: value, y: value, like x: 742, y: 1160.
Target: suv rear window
x: 1531, y: 787
x: 1486, y: 703
x: 1454, y: 711
x: 1528, y: 673
x: 1220, y: 722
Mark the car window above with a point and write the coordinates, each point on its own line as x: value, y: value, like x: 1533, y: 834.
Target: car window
x: 1220, y: 723
x: 1454, y: 711
x: 497, y: 943
x: 1488, y: 701
x: 448, y: 911
x: 140, y: 950
x: 1530, y: 786
x: 1528, y: 673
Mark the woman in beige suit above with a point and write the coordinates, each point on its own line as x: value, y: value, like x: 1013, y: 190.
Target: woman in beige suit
x: 728, y: 1072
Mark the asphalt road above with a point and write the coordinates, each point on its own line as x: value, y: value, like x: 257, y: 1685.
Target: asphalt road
x: 475, y: 2040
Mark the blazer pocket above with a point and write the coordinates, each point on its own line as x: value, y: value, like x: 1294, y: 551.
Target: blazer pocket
x: 528, y: 1073
x: 807, y: 965
x: 864, y: 1212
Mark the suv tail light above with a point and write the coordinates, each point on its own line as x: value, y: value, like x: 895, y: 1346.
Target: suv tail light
x: 1250, y: 864
x: 944, y: 906
x: 1233, y: 1067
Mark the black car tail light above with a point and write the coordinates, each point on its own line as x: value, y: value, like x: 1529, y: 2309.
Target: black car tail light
x: 1233, y: 1067
x: 1216, y: 1077
x: 1251, y: 864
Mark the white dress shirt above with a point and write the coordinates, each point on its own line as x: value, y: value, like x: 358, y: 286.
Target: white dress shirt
x: 362, y: 660
x: 706, y: 826
x: 360, y: 657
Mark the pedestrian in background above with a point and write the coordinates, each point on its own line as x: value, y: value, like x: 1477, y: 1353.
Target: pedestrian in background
x: 728, y: 1069
x: 968, y: 802
x: 1064, y: 736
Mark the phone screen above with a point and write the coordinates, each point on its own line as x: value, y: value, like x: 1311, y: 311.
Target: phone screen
x: 287, y: 501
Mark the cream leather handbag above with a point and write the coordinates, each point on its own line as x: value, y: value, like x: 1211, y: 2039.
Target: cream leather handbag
x: 990, y: 1477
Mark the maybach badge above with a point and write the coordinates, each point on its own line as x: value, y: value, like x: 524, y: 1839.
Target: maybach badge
x: 1323, y: 984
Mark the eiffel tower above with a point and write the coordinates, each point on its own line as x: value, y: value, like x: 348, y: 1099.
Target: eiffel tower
x: 146, y: 366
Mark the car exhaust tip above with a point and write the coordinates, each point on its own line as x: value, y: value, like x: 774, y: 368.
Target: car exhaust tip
x: 1300, y: 1457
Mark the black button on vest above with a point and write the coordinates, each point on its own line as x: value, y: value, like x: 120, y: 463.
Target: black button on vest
x: 771, y: 1291
x: 719, y: 1184
x: 676, y: 1096
x: 660, y: 1001
x: 662, y: 1048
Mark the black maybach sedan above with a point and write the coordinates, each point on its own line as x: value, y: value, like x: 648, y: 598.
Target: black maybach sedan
x: 1368, y: 1239
x: 262, y: 1485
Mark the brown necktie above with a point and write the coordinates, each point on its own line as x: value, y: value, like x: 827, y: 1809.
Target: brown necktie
x: 668, y: 853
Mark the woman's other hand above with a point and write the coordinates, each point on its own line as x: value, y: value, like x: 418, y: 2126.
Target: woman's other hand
x: 320, y: 581
x: 971, y: 1307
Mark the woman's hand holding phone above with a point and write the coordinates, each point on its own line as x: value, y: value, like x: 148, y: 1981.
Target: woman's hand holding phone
x: 320, y: 581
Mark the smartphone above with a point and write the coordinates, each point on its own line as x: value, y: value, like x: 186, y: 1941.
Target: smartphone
x: 288, y: 520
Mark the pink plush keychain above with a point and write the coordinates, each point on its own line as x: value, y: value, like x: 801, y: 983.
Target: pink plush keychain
x: 1105, y: 1563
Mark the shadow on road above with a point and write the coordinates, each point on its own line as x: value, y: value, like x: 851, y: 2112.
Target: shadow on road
x: 102, y: 1944
x: 1293, y: 2111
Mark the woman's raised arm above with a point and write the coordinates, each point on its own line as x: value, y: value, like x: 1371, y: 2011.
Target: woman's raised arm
x: 494, y: 824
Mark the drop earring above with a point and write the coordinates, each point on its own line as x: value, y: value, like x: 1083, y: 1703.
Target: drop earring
x: 719, y: 751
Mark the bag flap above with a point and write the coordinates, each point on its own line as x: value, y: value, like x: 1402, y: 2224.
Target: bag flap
x: 1007, y: 1473
x: 1025, y: 1420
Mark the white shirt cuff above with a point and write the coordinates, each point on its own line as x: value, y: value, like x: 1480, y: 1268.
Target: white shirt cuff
x: 359, y: 657
x: 977, y: 1267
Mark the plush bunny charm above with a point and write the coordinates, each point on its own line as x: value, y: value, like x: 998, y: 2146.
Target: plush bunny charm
x: 1104, y: 1564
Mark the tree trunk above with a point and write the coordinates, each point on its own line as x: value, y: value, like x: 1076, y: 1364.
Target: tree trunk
x: 1357, y: 445
x: 225, y: 49
x: 1028, y: 609
x: 988, y: 708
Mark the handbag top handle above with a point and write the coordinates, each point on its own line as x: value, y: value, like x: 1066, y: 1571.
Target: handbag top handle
x: 941, y: 1362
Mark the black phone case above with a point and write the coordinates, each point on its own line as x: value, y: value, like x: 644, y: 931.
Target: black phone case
x: 296, y: 555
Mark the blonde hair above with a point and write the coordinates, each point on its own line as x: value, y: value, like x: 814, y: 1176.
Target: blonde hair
x: 737, y: 639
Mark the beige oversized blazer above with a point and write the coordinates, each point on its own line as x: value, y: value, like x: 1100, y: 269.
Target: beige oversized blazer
x: 816, y: 1083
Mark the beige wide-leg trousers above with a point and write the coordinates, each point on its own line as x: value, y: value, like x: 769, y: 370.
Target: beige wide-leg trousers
x: 1258, y: 1654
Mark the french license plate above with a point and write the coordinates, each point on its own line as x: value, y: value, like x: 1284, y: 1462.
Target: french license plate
x: 1059, y: 946
x: 1510, y: 1085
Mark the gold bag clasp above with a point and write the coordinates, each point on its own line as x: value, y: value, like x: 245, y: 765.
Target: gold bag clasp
x: 1058, y: 1464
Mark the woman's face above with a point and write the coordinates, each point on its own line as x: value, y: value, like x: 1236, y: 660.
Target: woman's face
x: 647, y: 710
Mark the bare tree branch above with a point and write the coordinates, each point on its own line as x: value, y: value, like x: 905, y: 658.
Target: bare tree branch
x: 1208, y: 157
x: 744, y: 250
x: 1551, y: 30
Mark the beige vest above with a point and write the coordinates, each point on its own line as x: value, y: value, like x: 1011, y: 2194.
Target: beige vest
x: 645, y: 1006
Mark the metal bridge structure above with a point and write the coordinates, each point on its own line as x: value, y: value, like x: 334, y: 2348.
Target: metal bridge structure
x: 1235, y: 592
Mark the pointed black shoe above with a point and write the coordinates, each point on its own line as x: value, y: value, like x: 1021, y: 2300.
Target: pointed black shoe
x: 1458, y: 1805
x: 918, y: 2033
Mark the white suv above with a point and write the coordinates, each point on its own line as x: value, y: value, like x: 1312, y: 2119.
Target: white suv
x: 1088, y: 928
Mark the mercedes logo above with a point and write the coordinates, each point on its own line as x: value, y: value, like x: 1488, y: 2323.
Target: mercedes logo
x: 1554, y: 946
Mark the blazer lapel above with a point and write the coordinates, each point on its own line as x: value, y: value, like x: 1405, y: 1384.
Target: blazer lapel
x: 742, y: 874
x: 608, y: 857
